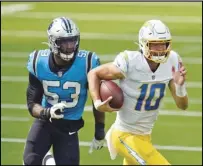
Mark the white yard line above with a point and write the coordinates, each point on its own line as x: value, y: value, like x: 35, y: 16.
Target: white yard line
x: 13, y: 8
x: 191, y: 113
x: 98, y: 36
x: 191, y: 4
x: 109, y: 17
x: 84, y: 143
x: 103, y: 57
x: 14, y: 119
x: 25, y: 79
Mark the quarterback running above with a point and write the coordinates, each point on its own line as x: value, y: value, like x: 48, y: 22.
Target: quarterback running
x: 143, y: 77
x: 56, y: 97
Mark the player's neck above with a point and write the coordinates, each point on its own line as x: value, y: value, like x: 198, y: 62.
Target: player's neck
x: 153, y: 65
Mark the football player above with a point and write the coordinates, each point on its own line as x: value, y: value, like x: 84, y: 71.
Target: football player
x: 144, y: 76
x: 56, y: 96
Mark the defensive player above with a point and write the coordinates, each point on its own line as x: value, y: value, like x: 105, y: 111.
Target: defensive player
x: 144, y: 76
x: 56, y: 96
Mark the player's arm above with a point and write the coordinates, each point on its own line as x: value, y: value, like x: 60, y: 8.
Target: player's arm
x: 99, y: 124
x: 34, y: 98
x: 93, y: 62
x: 104, y: 72
x: 110, y: 71
x: 179, y: 95
x: 178, y: 89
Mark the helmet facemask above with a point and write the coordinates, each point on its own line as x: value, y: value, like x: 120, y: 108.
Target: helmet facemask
x: 67, y: 47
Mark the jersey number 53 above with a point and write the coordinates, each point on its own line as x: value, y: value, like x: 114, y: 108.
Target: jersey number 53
x: 53, y: 98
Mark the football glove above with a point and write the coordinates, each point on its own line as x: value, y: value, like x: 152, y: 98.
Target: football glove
x: 96, y: 145
x: 98, y: 140
x: 54, y: 112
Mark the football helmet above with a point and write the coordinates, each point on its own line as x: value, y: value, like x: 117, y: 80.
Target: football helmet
x: 152, y: 33
x: 63, y: 38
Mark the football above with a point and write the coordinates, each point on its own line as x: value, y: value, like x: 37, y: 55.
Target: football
x: 110, y: 88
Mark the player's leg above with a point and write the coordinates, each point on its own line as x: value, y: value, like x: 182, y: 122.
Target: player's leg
x: 37, y: 144
x: 137, y: 149
x: 66, y: 148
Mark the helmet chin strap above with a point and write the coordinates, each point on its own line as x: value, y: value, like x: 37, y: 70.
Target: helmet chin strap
x: 66, y: 57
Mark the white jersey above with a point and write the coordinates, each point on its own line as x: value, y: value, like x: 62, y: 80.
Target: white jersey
x: 143, y: 90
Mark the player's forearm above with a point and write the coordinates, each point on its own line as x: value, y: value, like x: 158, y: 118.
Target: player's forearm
x: 179, y: 94
x: 98, y: 116
x: 182, y: 102
x: 36, y: 110
x: 33, y: 102
x: 94, y: 84
x: 99, y: 124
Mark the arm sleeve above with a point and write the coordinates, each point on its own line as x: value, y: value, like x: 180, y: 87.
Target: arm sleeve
x: 122, y: 62
x: 34, y: 92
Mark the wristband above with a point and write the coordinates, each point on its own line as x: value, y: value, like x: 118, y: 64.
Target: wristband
x: 45, y: 114
x: 97, y: 103
x: 180, y: 90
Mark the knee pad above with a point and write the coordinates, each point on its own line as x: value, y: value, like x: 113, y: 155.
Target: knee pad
x: 32, y: 159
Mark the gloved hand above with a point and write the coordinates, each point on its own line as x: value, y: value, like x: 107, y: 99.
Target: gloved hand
x: 99, y: 138
x: 96, y: 145
x: 54, y: 112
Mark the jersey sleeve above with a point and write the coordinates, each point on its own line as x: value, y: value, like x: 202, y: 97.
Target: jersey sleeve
x: 92, y: 61
x: 31, y: 64
x: 122, y: 62
x: 95, y: 61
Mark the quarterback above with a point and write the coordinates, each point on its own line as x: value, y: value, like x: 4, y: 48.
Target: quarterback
x: 143, y: 76
x: 56, y: 96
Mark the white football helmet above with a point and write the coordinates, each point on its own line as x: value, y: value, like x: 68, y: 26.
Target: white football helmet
x: 155, y: 31
x: 63, y: 38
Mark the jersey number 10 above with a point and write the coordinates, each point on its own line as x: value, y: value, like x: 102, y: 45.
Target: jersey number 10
x: 155, y: 93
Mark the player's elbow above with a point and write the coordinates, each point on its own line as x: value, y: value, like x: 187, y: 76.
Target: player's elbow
x: 30, y: 108
x: 92, y: 74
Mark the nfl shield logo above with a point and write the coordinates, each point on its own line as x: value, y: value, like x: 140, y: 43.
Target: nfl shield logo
x: 153, y: 77
x: 60, y: 73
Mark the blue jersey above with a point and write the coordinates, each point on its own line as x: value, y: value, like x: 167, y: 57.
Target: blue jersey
x: 69, y: 87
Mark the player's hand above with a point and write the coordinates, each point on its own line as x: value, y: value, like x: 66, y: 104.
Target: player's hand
x: 104, y: 106
x: 179, y: 76
x: 56, y: 111
x: 96, y: 145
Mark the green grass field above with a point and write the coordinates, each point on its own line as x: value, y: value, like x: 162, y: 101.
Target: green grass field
x: 106, y: 29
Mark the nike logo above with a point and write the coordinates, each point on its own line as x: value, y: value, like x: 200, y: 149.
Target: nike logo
x: 71, y: 133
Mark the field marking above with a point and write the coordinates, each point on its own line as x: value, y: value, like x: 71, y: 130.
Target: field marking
x: 191, y: 4
x: 14, y: 119
x: 191, y: 113
x: 98, y: 36
x: 109, y: 17
x: 86, y: 144
x: 191, y: 84
x: 13, y: 8
x: 103, y: 57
